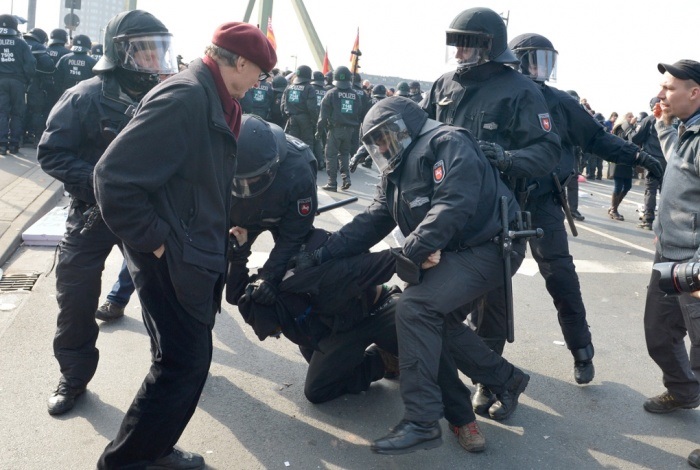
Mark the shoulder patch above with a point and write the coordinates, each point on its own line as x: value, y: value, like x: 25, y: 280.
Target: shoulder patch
x: 439, y: 172
x: 545, y: 122
x: 304, y: 206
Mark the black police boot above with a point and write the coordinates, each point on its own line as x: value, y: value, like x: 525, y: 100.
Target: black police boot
x: 577, y: 215
x: 646, y: 225
x: 694, y: 458
x: 3, y: 149
x: 330, y: 187
x: 583, y: 364
x: 507, y: 401
x: 482, y: 399
x: 63, y: 399
x: 178, y: 459
x: 409, y: 436
x: 346, y: 184
x: 14, y: 148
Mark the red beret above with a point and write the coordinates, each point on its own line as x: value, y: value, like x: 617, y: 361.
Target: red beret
x: 247, y: 41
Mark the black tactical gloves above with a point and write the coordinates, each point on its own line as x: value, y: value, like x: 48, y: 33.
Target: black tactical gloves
x: 360, y: 156
x: 650, y: 163
x: 498, y: 157
x: 264, y: 292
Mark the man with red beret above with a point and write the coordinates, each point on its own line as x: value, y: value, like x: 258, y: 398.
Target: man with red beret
x: 164, y: 187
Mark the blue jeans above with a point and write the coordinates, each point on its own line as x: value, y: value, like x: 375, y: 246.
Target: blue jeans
x: 122, y: 289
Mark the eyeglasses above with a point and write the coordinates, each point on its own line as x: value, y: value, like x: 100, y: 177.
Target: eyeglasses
x: 263, y: 76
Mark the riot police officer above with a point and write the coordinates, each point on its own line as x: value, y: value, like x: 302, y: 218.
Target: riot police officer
x: 378, y: 94
x: 35, y: 119
x: 17, y: 68
x: 318, y: 84
x: 279, y: 84
x: 414, y: 91
x: 299, y: 103
x: 341, y: 110
x: 76, y: 66
x: 575, y: 127
x: 80, y: 127
x: 445, y: 197
x: 505, y: 112
x: 258, y: 100
x: 285, y: 206
x: 56, y: 49
x: 97, y: 51
x: 402, y: 89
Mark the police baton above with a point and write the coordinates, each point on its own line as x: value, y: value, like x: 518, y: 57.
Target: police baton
x: 505, y: 240
x: 561, y: 197
x: 335, y: 205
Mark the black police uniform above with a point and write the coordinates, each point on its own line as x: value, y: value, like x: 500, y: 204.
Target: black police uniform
x: 340, y: 118
x: 319, y: 143
x: 53, y: 93
x: 37, y: 91
x: 73, y: 68
x: 287, y: 209
x: 258, y: 100
x: 443, y: 195
x: 646, y: 137
x: 17, y: 68
x: 499, y: 105
x: 79, y: 129
x: 299, y: 103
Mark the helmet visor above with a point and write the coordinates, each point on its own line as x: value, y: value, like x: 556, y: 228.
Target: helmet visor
x: 386, y: 141
x: 467, y: 49
x: 151, y: 53
x: 247, y: 186
x: 539, y: 64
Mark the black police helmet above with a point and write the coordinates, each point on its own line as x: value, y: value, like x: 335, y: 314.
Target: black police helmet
x: 261, y: 147
x: 523, y: 44
x: 402, y: 89
x: 342, y: 78
x: 356, y: 79
x: 9, y: 24
x: 279, y: 83
x: 58, y: 36
x: 37, y: 34
x: 379, y: 91
x: 97, y: 49
x: 81, y: 44
x: 126, y: 23
x: 302, y: 75
x: 318, y: 78
x: 329, y: 77
x: 484, y: 21
x: 414, y: 84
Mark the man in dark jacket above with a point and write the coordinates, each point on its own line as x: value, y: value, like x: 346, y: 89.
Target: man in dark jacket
x: 75, y: 67
x: 15, y: 75
x: 299, y: 103
x: 164, y: 186
x: 575, y: 127
x: 445, y: 198
x: 35, y: 119
x: 645, y: 136
x: 79, y: 129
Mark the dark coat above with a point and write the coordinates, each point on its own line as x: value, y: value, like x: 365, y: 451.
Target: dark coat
x: 166, y: 179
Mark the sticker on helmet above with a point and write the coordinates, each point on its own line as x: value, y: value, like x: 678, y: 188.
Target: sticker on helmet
x: 545, y: 122
x: 304, y: 206
x: 439, y: 171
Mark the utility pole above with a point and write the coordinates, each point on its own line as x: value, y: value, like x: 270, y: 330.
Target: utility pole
x: 31, y: 14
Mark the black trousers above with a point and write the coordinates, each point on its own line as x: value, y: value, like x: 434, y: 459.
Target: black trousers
x: 81, y: 260
x: 343, y: 366
x: 651, y: 187
x: 667, y: 320
x: 556, y: 266
x: 457, y: 280
x: 302, y: 126
x: 181, y: 352
x: 11, y: 111
x: 338, y: 148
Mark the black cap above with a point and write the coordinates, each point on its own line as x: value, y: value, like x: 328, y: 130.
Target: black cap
x: 683, y: 69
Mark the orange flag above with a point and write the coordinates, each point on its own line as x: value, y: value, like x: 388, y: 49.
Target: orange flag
x: 326, y: 63
x: 271, y: 34
x: 355, y: 54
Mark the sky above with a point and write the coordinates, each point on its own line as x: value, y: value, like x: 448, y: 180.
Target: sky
x: 608, y: 51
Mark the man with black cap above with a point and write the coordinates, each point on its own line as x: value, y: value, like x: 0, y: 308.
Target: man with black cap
x: 299, y: 103
x: 17, y: 68
x: 668, y: 318
x: 75, y: 66
x: 164, y: 186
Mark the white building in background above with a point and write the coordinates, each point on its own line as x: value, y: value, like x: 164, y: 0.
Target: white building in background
x: 94, y: 16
